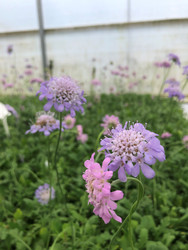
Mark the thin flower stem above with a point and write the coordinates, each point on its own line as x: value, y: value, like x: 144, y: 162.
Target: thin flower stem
x: 133, y: 208
x: 58, y: 179
x: 98, y: 138
x: 164, y: 79
x: 55, y: 158
x: 184, y: 84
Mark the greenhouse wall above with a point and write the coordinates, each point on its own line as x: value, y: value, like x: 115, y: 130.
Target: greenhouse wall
x: 83, y: 35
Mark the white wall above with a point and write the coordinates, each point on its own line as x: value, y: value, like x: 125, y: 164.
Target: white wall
x: 72, y: 47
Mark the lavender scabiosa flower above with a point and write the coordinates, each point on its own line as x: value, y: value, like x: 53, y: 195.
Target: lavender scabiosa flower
x: 132, y: 148
x: 109, y: 122
x: 174, y: 91
x: 69, y: 122
x: 42, y: 194
x: 174, y: 58
x: 185, y: 71
x: 99, y: 189
x: 12, y: 110
x: 62, y: 93
x: 45, y: 122
x: 28, y: 72
x: 172, y: 81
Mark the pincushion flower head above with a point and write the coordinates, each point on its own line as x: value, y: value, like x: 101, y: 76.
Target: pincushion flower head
x: 131, y: 149
x: 99, y: 189
x: 109, y: 122
x: 80, y: 136
x: 42, y: 194
x: 69, y: 122
x: 45, y: 122
x: 174, y: 58
x: 166, y: 135
x: 12, y: 110
x: 63, y: 93
x: 174, y: 91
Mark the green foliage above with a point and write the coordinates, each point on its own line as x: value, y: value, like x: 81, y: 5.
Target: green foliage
x: 161, y: 219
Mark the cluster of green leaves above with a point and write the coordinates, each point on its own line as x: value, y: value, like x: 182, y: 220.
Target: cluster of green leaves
x: 161, y: 219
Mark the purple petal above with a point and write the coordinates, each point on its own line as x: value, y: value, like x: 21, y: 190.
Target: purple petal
x: 48, y: 106
x: 121, y: 174
x: 147, y: 171
x: 136, y: 170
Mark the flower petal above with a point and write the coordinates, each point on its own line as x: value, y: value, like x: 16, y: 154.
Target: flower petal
x: 147, y: 171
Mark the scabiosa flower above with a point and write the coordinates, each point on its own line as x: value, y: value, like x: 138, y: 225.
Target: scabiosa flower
x: 28, y: 72
x: 185, y: 70
x: 69, y: 122
x: 174, y: 58
x: 174, y: 91
x: 110, y: 122
x: 36, y: 80
x: 45, y: 122
x: 42, y: 194
x: 132, y: 148
x: 99, y: 189
x: 81, y: 137
x: 62, y: 93
x: 172, y: 81
x: 185, y: 141
x: 166, y: 135
x: 96, y: 82
x: 8, y: 85
x: 12, y: 110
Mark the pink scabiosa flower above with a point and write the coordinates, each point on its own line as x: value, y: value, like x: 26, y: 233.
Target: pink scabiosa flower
x: 109, y: 122
x: 81, y: 137
x: 166, y: 135
x: 96, y: 82
x: 28, y: 72
x: 42, y: 194
x: 8, y: 85
x: 174, y: 58
x: 45, y: 122
x: 131, y: 148
x: 185, y: 141
x: 12, y: 110
x: 36, y: 80
x: 99, y: 189
x: 62, y: 93
x: 69, y: 122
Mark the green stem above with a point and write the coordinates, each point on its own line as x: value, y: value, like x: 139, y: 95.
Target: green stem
x: 164, y: 79
x: 184, y: 84
x: 58, y: 179
x: 98, y: 138
x: 19, y: 239
x: 55, y: 158
x: 133, y: 208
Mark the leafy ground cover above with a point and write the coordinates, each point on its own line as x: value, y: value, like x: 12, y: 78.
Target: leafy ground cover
x: 161, y: 219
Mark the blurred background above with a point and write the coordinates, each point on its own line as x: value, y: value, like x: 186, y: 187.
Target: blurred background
x: 90, y: 39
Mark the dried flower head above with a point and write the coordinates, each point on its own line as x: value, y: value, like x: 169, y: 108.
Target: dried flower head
x: 42, y: 194
x: 62, y: 93
x: 132, y: 148
x: 99, y: 189
x: 45, y: 122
